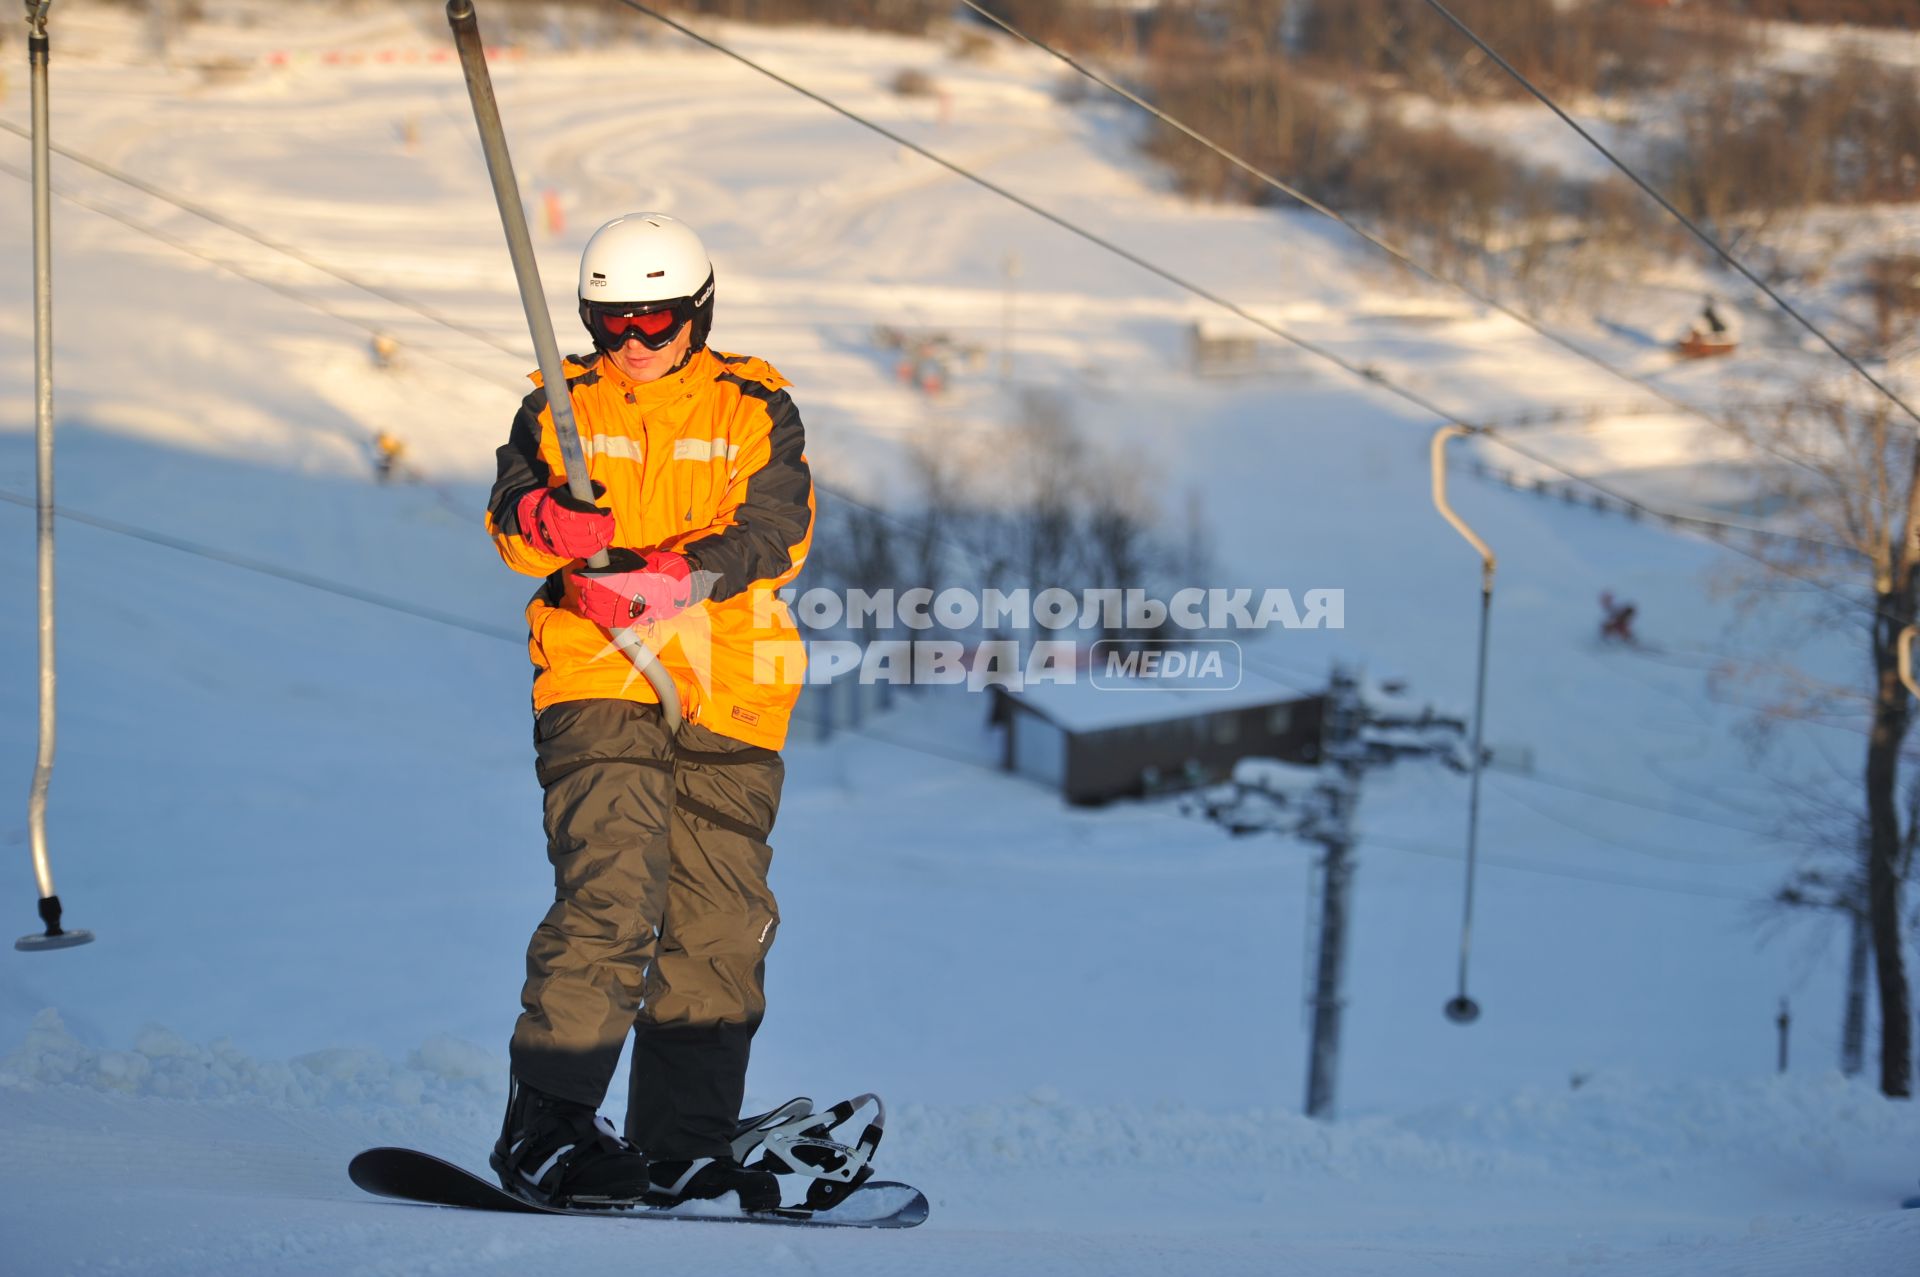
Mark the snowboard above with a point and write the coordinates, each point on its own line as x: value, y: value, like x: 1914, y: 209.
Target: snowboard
x: 412, y: 1176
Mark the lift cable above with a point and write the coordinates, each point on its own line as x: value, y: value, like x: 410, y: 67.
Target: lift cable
x: 291, y: 294
x: 1400, y: 255
x: 1358, y: 371
x: 1699, y: 233
x: 228, y: 224
x: 513, y: 383
x: 308, y: 580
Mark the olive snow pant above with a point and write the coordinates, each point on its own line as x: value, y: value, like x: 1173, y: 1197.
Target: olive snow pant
x: 660, y: 924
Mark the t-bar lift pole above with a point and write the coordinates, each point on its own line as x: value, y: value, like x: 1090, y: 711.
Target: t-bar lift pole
x: 38, y: 51
x: 513, y: 219
x: 1460, y: 1008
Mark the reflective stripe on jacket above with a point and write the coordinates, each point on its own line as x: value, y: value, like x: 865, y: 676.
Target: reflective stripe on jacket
x: 708, y: 461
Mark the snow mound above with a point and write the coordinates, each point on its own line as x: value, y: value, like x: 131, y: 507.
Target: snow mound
x: 1619, y: 1126
x: 163, y: 1065
x: 1611, y: 1128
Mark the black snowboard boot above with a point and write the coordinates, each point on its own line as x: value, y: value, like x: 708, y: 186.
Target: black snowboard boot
x: 559, y: 1153
x: 708, y: 1177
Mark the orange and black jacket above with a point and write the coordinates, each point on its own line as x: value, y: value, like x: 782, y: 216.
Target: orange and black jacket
x: 709, y: 461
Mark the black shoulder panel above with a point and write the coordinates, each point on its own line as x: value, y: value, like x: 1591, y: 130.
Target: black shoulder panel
x: 757, y: 390
x: 536, y: 400
x: 518, y: 466
x: 776, y: 514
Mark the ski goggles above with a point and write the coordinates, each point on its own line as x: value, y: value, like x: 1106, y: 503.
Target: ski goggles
x: 653, y: 324
x: 615, y: 326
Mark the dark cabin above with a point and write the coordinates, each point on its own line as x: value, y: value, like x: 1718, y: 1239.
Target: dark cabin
x: 1096, y: 744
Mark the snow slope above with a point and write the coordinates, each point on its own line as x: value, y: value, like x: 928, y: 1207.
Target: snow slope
x: 305, y: 827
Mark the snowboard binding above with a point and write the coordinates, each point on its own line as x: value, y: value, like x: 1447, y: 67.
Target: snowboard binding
x: 802, y: 1146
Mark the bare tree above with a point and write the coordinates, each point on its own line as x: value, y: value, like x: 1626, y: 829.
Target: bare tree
x: 1050, y: 463
x: 1832, y: 884
x: 1119, y: 548
x: 1892, y: 285
x: 1855, y: 483
x: 937, y: 473
x: 1884, y: 13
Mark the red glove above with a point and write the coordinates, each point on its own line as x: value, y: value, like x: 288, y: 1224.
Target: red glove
x: 633, y: 587
x: 554, y: 521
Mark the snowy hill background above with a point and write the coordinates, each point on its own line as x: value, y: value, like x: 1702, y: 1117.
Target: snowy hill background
x: 305, y: 826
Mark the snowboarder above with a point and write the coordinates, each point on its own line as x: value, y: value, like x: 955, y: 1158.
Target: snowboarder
x: 1616, y: 623
x: 662, y: 917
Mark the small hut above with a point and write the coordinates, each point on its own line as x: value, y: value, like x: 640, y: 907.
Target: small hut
x: 1095, y: 744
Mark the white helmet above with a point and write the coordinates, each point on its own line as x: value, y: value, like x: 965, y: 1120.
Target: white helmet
x: 641, y: 264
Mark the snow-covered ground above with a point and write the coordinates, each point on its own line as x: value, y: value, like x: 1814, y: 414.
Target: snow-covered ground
x: 305, y: 825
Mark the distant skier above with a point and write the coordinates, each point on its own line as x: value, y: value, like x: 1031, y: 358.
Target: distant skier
x: 1709, y: 335
x: 388, y: 449
x: 1616, y: 623
x: 662, y: 917
x: 1716, y: 326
